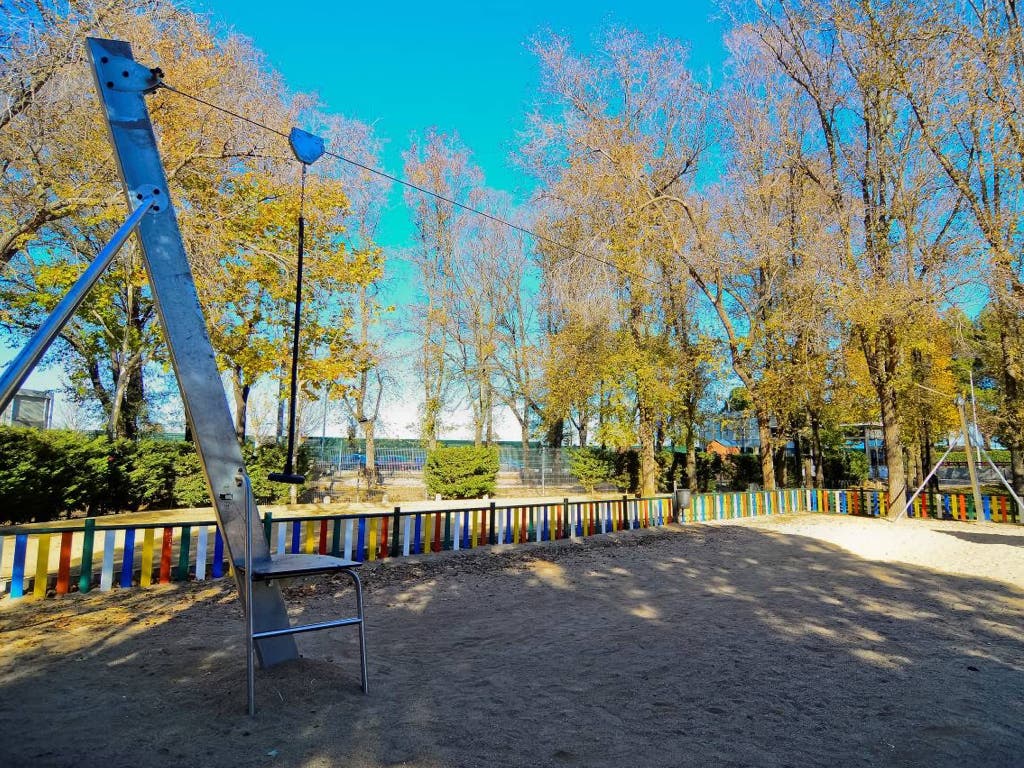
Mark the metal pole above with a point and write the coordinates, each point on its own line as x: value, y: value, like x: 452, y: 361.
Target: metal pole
x: 250, y: 627
x: 1006, y: 483
x: 961, y: 409
x: 289, y: 465
x: 974, y: 415
x: 867, y: 452
x: 21, y: 366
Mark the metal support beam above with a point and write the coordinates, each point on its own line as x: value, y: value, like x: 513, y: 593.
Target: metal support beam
x: 122, y: 84
x: 19, y: 368
x: 961, y: 408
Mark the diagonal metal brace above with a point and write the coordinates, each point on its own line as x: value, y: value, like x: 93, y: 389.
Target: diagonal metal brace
x: 19, y: 368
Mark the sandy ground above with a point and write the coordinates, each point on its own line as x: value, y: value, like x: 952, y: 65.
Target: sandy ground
x: 800, y: 641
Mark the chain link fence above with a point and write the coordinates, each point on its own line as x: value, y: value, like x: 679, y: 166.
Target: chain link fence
x: 340, y: 471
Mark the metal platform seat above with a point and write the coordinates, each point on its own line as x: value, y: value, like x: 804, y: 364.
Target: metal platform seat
x: 286, y: 567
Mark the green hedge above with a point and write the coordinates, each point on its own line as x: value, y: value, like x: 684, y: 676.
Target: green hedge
x: 999, y: 455
x: 51, y: 474
x: 461, y: 472
x: 592, y: 466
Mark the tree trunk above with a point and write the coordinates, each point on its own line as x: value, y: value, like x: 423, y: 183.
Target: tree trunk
x: 781, y: 466
x: 927, y: 462
x: 1013, y: 394
x: 133, y: 409
x: 486, y: 407
x: 127, y: 404
x: 114, y: 417
x: 913, y: 459
x: 430, y: 429
x: 882, y: 355
x: 555, y: 434
x: 1017, y: 470
x: 798, y: 460
x: 897, y: 485
x: 524, y: 439
x: 817, y: 454
x: 648, y: 460
x: 764, y: 431
x: 241, y: 392
x: 369, y: 427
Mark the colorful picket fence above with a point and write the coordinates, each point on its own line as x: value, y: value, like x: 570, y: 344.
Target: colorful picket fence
x: 66, y: 559
x: 103, y: 556
x: 124, y: 556
x: 960, y: 506
x: 852, y: 501
x: 730, y: 506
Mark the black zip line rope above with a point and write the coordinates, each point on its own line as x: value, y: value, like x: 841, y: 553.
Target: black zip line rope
x: 411, y: 185
x: 288, y: 474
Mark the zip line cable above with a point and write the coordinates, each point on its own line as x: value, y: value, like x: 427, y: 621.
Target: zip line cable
x: 416, y: 187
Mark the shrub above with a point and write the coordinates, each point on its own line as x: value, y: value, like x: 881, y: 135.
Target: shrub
x: 152, y: 472
x: 264, y: 459
x: 744, y: 470
x: 627, y: 470
x: 844, y: 468
x: 673, y: 470
x: 189, y: 483
x: 709, y: 468
x: 461, y: 472
x: 51, y: 474
x: 591, y: 466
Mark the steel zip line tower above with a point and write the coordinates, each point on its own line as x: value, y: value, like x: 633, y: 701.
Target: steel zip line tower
x: 123, y: 84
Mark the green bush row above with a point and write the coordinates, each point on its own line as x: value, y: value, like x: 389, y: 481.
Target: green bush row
x: 49, y: 475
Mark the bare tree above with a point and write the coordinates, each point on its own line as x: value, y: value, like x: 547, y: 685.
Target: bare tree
x: 441, y: 164
x: 367, y: 196
x: 960, y: 67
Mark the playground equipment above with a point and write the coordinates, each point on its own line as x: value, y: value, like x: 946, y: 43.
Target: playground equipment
x: 307, y: 149
x: 965, y: 430
x: 122, y: 84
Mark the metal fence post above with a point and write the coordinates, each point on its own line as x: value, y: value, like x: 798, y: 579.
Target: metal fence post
x: 396, y: 520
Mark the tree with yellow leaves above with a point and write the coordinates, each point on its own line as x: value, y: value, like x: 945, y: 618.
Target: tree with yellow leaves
x: 60, y: 198
x: 237, y: 201
x: 896, y: 226
x: 620, y: 126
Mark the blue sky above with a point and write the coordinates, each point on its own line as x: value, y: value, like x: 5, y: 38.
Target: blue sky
x: 459, y: 66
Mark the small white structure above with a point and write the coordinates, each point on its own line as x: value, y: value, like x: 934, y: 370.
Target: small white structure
x: 29, y: 408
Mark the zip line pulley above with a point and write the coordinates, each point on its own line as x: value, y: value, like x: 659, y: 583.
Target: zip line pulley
x: 307, y: 149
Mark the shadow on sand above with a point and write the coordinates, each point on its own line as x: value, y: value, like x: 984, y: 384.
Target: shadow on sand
x: 686, y: 646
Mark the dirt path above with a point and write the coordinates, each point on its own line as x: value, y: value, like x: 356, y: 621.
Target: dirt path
x: 771, y: 644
